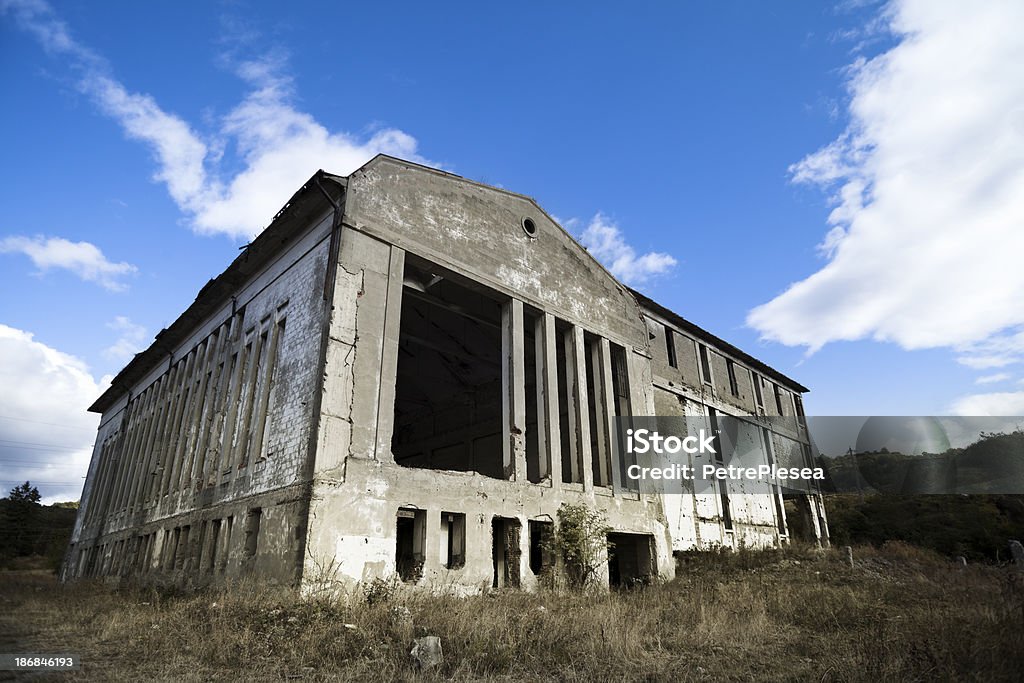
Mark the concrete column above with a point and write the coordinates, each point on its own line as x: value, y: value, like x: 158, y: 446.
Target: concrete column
x: 572, y: 401
x: 582, y: 417
x: 547, y: 369
x: 389, y: 356
x: 606, y: 414
x: 513, y: 391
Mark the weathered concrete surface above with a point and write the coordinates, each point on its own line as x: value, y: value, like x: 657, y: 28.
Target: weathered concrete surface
x: 256, y: 436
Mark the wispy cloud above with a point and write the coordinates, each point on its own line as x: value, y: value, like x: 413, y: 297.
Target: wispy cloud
x: 603, y: 238
x: 46, y: 434
x: 278, y: 145
x: 81, y: 258
x: 993, y: 379
x: 928, y: 189
x: 131, y: 339
x: 995, y: 404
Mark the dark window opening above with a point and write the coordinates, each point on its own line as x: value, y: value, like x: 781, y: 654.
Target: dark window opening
x: 705, y: 364
x: 453, y: 539
x: 214, y: 541
x: 780, y: 514
x: 596, y: 411
x: 726, y: 509
x: 734, y: 386
x: 758, y: 396
x: 533, y: 364
x: 716, y: 434
x: 505, y: 552
x: 621, y: 408
x: 565, y: 362
x: 448, y: 399
x: 410, y: 543
x: 670, y: 346
x: 529, y: 227
x: 541, y: 559
x: 778, y: 399
x: 631, y: 560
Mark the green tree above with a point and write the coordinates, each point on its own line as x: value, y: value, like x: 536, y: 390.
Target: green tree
x: 25, y: 493
x: 580, y: 541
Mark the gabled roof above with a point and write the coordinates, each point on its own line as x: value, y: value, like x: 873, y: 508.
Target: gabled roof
x: 310, y: 200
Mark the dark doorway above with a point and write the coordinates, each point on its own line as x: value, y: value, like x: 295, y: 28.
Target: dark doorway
x: 506, y: 552
x: 410, y: 539
x: 630, y: 560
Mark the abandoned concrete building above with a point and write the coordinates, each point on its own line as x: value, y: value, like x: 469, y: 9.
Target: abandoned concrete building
x: 405, y: 375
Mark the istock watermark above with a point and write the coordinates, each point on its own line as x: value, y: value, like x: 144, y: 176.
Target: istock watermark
x: 819, y: 454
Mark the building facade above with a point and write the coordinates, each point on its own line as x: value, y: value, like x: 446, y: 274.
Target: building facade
x: 406, y: 374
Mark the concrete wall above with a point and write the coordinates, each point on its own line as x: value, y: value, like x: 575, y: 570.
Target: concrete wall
x: 317, y: 495
x: 695, y: 517
x: 171, y: 453
x: 395, y: 212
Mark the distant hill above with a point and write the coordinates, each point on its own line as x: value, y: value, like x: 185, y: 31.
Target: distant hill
x: 977, y: 527
x: 31, y: 530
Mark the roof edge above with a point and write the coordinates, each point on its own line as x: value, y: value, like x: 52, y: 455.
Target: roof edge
x: 700, y: 332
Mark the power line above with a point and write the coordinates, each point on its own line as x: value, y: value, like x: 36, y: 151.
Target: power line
x: 52, y: 424
x: 33, y: 446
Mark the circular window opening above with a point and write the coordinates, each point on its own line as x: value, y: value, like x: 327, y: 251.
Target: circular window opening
x: 529, y: 227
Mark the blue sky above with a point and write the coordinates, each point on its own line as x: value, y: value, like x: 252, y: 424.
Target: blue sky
x: 836, y: 188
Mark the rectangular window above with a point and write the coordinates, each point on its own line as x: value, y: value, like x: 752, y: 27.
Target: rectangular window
x: 448, y: 380
x: 734, y: 386
x: 705, y: 365
x: 716, y: 436
x: 758, y: 396
x: 453, y: 539
x: 621, y: 408
x: 778, y: 399
x: 597, y: 407
x: 726, y: 511
x: 410, y: 542
x: 565, y: 365
x: 214, y: 541
x: 670, y: 347
x: 540, y: 547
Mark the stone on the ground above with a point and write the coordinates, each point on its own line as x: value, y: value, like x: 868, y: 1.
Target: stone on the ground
x: 426, y: 652
x: 1017, y: 552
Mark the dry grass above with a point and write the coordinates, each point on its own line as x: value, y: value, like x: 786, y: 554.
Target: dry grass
x: 900, y: 614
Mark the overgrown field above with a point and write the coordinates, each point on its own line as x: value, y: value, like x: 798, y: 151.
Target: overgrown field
x: 899, y: 614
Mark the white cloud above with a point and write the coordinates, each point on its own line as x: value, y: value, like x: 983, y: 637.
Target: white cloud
x: 46, y: 435
x: 993, y: 379
x: 132, y: 339
x: 928, y: 226
x: 278, y: 146
x: 605, y: 241
x: 82, y: 258
x: 996, y: 404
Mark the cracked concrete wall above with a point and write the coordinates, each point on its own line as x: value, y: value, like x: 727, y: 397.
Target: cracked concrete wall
x: 393, y: 211
x: 695, y: 518
x: 159, y: 427
x: 325, y: 482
